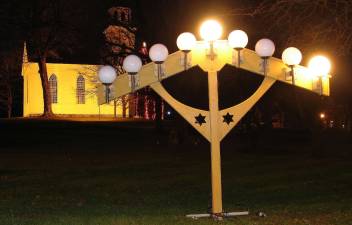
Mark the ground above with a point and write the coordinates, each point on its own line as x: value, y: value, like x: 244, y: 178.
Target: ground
x: 119, y: 173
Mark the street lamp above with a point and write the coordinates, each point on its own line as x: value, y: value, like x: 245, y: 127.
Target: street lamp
x: 292, y: 57
x: 265, y: 48
x: 210, y: 31
x: 238, y: 40
x: 158, y: 54
x: 132, y: 65
x: 107, y: 75
x: 319, y: 67
x: 186, y: 42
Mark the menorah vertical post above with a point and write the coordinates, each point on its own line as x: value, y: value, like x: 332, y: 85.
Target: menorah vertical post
x: 215, y: 144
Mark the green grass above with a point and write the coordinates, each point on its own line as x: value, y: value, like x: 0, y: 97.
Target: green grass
x: 162, y: 187
x: 158, y: 185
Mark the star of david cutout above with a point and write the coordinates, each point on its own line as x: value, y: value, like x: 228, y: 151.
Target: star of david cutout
x: 200, y: 119
x: 228, y: 118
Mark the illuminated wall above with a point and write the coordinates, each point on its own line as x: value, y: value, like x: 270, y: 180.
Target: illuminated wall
x: 67, y: 102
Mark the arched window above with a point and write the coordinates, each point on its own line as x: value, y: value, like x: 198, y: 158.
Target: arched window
x: 53, y: 88
x: 80, y: 90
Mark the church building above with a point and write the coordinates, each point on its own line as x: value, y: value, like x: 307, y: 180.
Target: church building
x: 73, y: 86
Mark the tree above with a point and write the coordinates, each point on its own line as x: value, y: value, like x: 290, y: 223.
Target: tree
x: 50, y: 33
x: 322, y: 25
x: 9, y: 76
x: 305, y: 23
x: 120, y: 41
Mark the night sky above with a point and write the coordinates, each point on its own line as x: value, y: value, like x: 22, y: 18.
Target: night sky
x: 157, y: 21
x: 163, y: 20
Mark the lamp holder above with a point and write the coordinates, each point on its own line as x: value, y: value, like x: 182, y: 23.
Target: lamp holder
x: 185, y: 58
x: 107, y: 92
x: 133, y: 81
x: 265, y: 64
x: 292, y: 73
x: 239, y: 58
x: 317, y: 85
x: 159, y: 72
x: 211, y: 54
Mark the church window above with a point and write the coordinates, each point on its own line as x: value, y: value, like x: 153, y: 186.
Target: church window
x: 53, y: 88
x: 80, y: 90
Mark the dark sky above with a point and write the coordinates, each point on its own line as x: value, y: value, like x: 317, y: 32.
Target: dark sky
x: 157, y: 21
x: 163, y: 20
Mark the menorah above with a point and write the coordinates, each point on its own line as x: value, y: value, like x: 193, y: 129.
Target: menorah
x: 211, y: 55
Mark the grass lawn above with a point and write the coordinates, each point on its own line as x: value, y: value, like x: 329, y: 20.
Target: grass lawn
x: 88, y: 175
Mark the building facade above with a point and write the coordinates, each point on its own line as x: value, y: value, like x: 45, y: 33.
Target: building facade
x: 72, y: 87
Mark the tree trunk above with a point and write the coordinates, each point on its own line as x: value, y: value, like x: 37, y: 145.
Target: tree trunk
x: 124, y: 101
x: 158, y: 113
x: 46, y: 88
x: 9, y: 102
x: 115, y: 108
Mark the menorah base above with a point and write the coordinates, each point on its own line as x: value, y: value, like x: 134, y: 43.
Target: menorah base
x: 218, y: 216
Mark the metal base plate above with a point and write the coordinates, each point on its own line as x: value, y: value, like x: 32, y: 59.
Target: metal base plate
x: 217, y: 216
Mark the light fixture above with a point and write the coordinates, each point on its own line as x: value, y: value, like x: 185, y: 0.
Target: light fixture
x: 185, y: 42
x: 210, y: 31
x: 132, y: 64
x: 238, y: 40
x: 322, y: 115
x: 158, y: 53
x: 319, y: 66
x: 292, y: 57
x: 107, y: 75
x: 265, y: 48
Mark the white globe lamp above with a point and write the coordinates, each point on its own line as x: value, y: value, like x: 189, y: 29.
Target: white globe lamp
x: 158, y: 53
x: 107, y: 74
x: 265, y: 48
x: 238, y: 39
x: 292, y: 56
x: 186, y: 41
x: 319, y: 65
x: 210, y: 30
x: 132, y: 64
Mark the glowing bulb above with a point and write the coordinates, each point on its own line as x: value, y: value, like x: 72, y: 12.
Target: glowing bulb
x: 186, y: 41
x: 210, y: 30
x: 322, y: 115
x: 132, y: 64
x: 319, y: 65
x: 238, y: 39
x: 107, y: 74
x: 265, y: 48
x: 158, y: 53
x: 292, y: 56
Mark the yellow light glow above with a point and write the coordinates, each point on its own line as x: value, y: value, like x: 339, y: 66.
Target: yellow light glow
x: 238, y: 39
x: 292, y: 56
x: 210, y: 30
x: 322, y: 115
x: 186, y: 41
x: 319, y: 66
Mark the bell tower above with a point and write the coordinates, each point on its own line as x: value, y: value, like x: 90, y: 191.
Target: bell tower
x: 119, y: 35
x: 119, y: 41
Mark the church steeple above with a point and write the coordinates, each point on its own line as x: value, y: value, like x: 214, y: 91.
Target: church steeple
x: 120, y: 15
x: 24, y: 58
x: 25, y: 53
